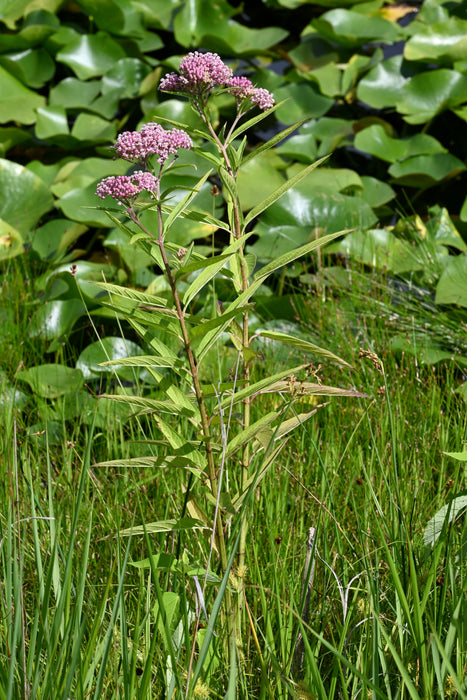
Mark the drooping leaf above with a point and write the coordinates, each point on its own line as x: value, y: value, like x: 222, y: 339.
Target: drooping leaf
x: 445, y: 515
x: 303, y: 345
x: 163, y: 526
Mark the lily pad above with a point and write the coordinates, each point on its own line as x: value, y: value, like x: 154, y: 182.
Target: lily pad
x: 259, y: 178
x: 429, y: 93
x: 51, y: 121
x: 55, y: 319
x: 50, y: 381
x: 91, y: 360
x: 52, y: 240
x: 90, y: 127
x: 33, y: 67
x: 424, y: 171
x: 25, y: 197
x: 91, y: 55
x: 452, y: 285
x: 304, y: 101
x: 376, y: 141
x: 350, y: 28
x: 126, y: 77
x: 72, y: 93
x: 444, y: 42
x: 381, y: 86
x: 17, y: 102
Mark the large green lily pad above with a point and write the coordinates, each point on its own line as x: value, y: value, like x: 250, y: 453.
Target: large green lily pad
x: 25, y: 197
x: 52, y: 380
x: 452, y: 285
x: 91, y: 55
x: 17, y: 102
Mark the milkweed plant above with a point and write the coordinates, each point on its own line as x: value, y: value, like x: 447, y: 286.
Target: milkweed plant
x: 211, y: 428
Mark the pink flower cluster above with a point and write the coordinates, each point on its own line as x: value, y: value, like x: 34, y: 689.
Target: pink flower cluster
x: 201, y: 72
x: 243, y: 89
x: 124, y: 188
x: 153, y: 139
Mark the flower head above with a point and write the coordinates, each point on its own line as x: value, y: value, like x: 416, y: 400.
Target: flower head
x: 153, y: 139
x: 199, y: 74
x: 124, y: 188
x: 243, y: 89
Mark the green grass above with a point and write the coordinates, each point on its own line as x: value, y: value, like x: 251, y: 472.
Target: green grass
x: 385, y: 616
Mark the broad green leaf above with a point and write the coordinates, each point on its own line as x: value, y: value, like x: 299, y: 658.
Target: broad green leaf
x: 286, y: 259
x: 126, y: 76
x: 164, y: 526
x: 50, y: 381
x: 424, y: 171
x: 17, y: 102
x: 11, y: 241
x: 301, y: 101
x: 375, y: 192
x: 55, y: 319
x: 91, y: 55
x: 381, y: 86
x: 429, y: 93
x: 90, y: 127
x: 376, y: 141
x: 337, y: 179
x: 274, y: 196
x: 351, y: 29
x: 302, y: 148
x: 452, y: 285
x: 445, y: 515
x: 33, y: 67
x: 443, y: 42
x: 93, y: 360
x: 51, y: 121
x: 72, y: 93
x: 25, y: 197
x: 304, y: 345
x: 382, y: 250
x: 258, y: 178
x: 81, y: 204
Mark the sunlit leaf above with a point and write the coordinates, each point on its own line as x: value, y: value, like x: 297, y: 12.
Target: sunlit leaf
x: 25, y: 197
x: 445, y: 42
x: 429, y: 93
x: 351, y: 28
x: 11, y: 241
x: 445, y: 515
x: 91, y: 55
x: 17, y: 102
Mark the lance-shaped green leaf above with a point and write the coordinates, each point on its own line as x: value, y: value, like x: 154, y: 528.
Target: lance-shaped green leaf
x: 298, y: 388
x: 443, y: 517
x: 261, y: 386
x: 164, y: 526
x: 148, y: 405
x: 239, y: 303
x: 201, y: 217
x: 289, y: 257
x: 133, y: 294
x: 249, y: 433
x: 144, y: 361
x: 256, y: 479
x: 183, y: 203
x: 254, y: 120
x: 274, y: 196
x: 172, y: 461
x: 223, y: 320
x: 302, y: 345
x: 272, y: 141
x: 212, y: 267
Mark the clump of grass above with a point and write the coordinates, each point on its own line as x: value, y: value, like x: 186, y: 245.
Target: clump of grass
x: 384, y: 614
